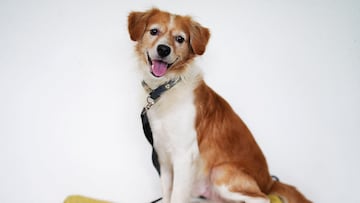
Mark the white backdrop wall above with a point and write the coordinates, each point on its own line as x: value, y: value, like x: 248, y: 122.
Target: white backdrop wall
x: 69, y: 104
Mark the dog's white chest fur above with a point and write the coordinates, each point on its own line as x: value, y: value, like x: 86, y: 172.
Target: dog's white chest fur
x: 172, y: 121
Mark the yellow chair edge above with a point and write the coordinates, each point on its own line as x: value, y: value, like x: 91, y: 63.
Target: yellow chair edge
x: 82, y: 199
x: 275, y: 198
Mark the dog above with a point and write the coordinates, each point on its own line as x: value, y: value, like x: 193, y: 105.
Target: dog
x: 205, y: 151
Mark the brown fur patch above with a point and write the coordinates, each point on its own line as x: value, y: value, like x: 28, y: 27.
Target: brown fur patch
x: 224, y: 139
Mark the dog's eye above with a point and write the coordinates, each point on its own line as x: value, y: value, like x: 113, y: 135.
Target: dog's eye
x: 179, y: 39
x: 154, y: 31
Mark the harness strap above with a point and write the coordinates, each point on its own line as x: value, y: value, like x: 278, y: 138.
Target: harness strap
x: 149, y: 137
x: 156, y: 200
x: 155, y: 94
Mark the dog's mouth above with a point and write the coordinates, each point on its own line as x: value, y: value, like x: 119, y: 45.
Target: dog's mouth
x: 159, y: 67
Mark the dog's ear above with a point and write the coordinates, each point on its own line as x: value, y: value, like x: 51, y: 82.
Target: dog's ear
x: 199, y: 37
x: 136, y: 25
x: 137, y: 22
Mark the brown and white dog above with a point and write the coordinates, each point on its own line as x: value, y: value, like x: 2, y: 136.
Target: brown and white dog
x: 204, y: 149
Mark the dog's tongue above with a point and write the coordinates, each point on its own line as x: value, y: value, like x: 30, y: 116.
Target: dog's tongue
x: 159, y: 68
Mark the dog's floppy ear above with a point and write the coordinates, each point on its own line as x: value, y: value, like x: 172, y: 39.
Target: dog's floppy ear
x: 137, y: 22
x: 199, y: 37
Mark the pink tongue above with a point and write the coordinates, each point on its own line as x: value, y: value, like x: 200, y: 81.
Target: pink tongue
x: 159, y: 68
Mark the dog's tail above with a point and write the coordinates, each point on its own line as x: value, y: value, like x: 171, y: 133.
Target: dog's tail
x: 287, y: 193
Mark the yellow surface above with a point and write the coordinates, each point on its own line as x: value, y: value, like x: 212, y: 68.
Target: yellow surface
x: 275, y: 199
x: 82, y: 199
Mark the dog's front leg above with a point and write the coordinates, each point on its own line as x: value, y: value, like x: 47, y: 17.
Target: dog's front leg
x: 166, y: 182
x: 184, y: 170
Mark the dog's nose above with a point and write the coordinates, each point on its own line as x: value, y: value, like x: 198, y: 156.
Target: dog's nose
x: 163, y: 50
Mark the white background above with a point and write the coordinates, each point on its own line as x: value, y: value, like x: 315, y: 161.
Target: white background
x: 69, y: 102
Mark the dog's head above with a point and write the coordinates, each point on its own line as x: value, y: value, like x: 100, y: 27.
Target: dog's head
x: 166, y: 43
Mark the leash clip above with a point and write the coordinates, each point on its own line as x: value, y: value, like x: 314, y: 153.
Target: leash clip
x: 150, y: 102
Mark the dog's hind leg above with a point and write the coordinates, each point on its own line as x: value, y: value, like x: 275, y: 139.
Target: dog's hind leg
x: 235, y: 186
x: 237, y: 197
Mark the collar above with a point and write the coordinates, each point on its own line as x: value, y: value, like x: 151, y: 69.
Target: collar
x: 154, y: 94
